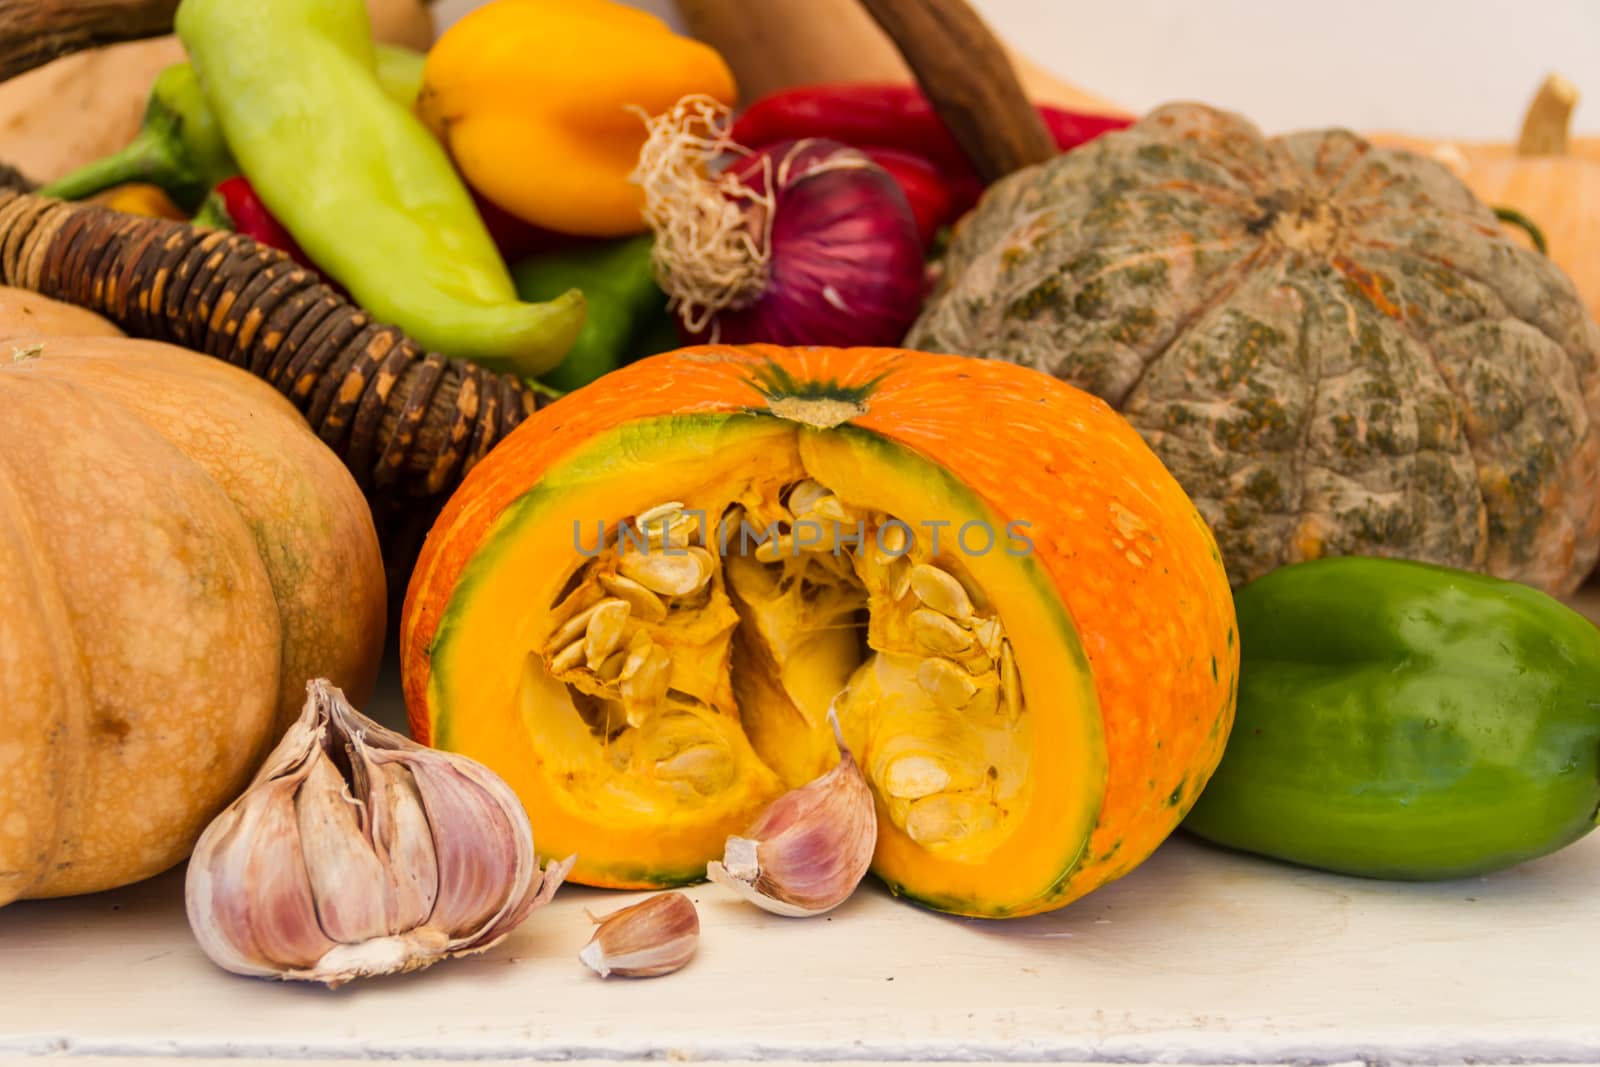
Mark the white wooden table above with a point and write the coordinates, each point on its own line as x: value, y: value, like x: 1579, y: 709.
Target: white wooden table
x: 1198, y: 957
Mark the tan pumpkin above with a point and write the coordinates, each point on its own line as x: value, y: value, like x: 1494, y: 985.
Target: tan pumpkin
x: 27, y: 316
x: 1547, y: 176
x: 178, y: 555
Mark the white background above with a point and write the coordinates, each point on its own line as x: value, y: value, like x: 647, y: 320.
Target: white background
x: 1458, y: 68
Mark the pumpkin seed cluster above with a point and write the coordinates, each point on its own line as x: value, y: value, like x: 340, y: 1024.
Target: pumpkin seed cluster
x: 784, y: 603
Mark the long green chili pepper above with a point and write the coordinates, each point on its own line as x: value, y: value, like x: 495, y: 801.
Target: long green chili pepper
x: 359, y: 181
x: 180, y: 147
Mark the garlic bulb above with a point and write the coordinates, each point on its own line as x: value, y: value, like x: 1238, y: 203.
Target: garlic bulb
x: 645, y: 940
x: 357, y: 852
x: 806, y: 853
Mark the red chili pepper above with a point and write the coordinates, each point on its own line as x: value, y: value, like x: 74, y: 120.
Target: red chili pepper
x: 250, y: 217
x: 924, y: 186
x: 894, y: 116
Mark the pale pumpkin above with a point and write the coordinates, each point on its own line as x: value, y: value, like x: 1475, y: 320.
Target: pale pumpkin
x: 178, y: 555
x: 1547, y: 176
x: 1334, y: 347
x: 27, y: 316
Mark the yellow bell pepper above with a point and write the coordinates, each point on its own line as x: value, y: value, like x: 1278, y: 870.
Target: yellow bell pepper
x: 535, y: 99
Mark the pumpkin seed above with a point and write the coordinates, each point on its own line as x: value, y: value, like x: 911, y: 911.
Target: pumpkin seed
x: 1010, y: 682
x: 638, y: 652
x: 947, y: 817
x: 641, y: 601
x: 668, y: 524
x: 573, y: 628
x: 669, y: 574
x: 804, y: 495
x: 703, y: 768
x: 706, y: 562
x: 604, y: 632
x: 914, y: 777
x: 831, y: 507
x: 899, y: 578
x: 937, y: 633
x: 894, y: 538
x: 948, y: 685
x: 648, y: 683
x: 681, y: 534
x: 940, y: 591
x: 569, y: 658
x: 661, y: 514
x: 611, y: 669
x: 989, y: 634
x: 774, y: 548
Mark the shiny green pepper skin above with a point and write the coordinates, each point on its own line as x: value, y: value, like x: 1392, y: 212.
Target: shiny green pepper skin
x: 626, y: 308
x: 1400, y: 720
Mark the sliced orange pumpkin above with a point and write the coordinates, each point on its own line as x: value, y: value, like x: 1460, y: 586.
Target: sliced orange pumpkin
x: 641, y: 607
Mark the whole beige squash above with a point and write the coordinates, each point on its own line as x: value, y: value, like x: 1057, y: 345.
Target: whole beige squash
x: 26, y: 316
x: 1335, y: 347
x: 178, y: 555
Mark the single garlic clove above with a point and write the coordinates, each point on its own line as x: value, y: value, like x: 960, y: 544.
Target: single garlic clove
x: 644, y: 940
x: 400, y: 827
x: 357, y: 852
x: 250, y: 904
x: 347, y: 875
x: 806, y: 853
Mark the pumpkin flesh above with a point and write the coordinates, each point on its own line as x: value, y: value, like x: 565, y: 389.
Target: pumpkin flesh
x: 990, y: 795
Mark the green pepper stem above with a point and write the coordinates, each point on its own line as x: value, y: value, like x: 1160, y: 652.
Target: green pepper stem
x: 1523, y: 222
x: 146, y: 159
x: 213, y: 214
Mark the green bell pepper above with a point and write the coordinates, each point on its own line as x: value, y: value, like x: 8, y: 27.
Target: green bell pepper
x: 1401, y: 720
x: 627, y: 309
x: 361, y: 184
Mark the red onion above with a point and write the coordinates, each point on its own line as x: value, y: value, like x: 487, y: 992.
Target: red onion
x: 801, y: 243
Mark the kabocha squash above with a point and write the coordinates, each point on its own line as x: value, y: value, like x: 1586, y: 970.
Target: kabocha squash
x: 178, y: 555
x: 641, y: 606
x: 1334, y: 347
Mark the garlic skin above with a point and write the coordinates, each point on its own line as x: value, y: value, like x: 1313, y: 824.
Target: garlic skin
x: 806, y: 853
x: 356, y: 851
x: 646, y: 940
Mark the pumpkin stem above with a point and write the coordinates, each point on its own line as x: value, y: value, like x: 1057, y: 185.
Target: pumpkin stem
x: 1549, y: 117
x: 1523, y: 222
